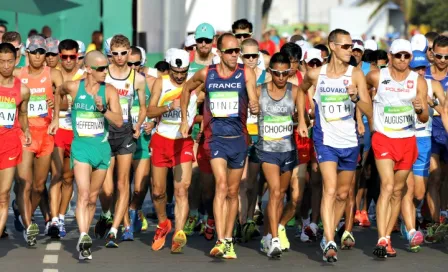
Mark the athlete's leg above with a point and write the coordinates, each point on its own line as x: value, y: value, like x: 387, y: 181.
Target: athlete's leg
x: 122, y: 203
x: 316, y: 191
x: 242, y: 198
x: 395, y: 200
x: 297, y: 187
x: 41, y: 168
x: 96, y: 183
x: 252, y: 188
x: 208, y: 192
x: 233, y: 186
x: 67, y: 186
x: 107, y: 192
x: 220, y: 172
x: 141, y: 182
x: 434, y: 184
x: 6, y: 177
x: 182, y: 180
x: 24, y: 178
x: 57, y: 160
x: 82, y: 171
x: 350, y: 206
x: 159, y: 180
x: 344, y: 181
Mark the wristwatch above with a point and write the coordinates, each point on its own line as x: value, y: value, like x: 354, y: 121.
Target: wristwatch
x: 104, y: 110
x: 435, y: 103
x: 356, y: 100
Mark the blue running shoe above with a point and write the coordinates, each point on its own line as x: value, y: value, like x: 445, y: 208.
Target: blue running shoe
x: 110, y: 240
x: 404, y: 231
x: 62, y: 231
x: 17, y: 224
x: 132, y: 217
x: 127, y: 235
x: 138, y: 223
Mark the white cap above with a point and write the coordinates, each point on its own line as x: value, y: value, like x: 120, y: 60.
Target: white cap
x: 143, y: 55
x: 190, y: 40
x: 400, y: 45
x: 169, y: 53
x: 107, y: 46
x: 313, y: 53
x: 419, y: 42
x: 179, y: 59
x: 82, y: 47
x: 304, y: 45
x: 371, y: 45
x: 358, y: 43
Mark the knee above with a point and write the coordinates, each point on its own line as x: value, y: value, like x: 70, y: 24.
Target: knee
x: 342, y: 196
x: 387, y: 188
x: 221, y: 189
x: 38, y: 188
x: 158, y: 195
x: 232, y: 193
x: 181, y: 191
x: 418, y: 196
x: 67, y: 180
x: 276, y: 194
x: 83, y: 198
x: 4, y: 199
x: 123, y: 184
x: 397, y: 194
x: 329, y: 193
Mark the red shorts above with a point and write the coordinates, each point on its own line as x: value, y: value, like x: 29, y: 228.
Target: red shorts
x: 204, y: 159
x: 42, y: 144
x: 403, y: 151
x: 11, y: 152
x: 63, y: 139
x: 169, y: 153
x: 305, y: 148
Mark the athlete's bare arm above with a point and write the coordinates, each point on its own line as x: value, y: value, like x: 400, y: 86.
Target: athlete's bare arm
x: 309, y: 80
x: 154, y: 110
x: 57, y: 80
x: 150, y: 81
x: 438, y: 92
x: 251, y: 84
x: 364, y: 103
x: 192, y: 84
x: 70, y: 88
x: 372, y: 81
x: 114, y: 114
x: 445, y: 113
x: 140, y: 84
x: 420, y: 102
x: 16, y: 72
x: 23, y: 113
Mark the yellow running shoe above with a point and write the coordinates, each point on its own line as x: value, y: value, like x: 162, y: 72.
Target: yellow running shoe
x: 229, y: 253
x: 218, y: 249
x: 190, y: 224
x: 284, y: 242
x: 143, y: 219
x: 179, y: 241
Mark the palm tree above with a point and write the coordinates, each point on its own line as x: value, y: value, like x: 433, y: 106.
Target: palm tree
x: 265, y: 13
x: 407, y: 7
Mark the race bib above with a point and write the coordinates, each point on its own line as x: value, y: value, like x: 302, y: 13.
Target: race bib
x: 90, y: 124
x: 277, y: 128
x: 398, y: 118
x: 124, y: 103
x: 37, y: 106
x: 135, y: 110
x: 336, y: 107
x: 252, y: 123
x: 172, y: 117
x: 7, y: 114
x: 224, y: 104
x: 65, y: 120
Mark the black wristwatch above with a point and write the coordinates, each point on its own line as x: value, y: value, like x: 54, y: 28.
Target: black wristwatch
x: 435, y: 103
x: 356, y: 100
x: 419, y: 112
x: 104, y: 110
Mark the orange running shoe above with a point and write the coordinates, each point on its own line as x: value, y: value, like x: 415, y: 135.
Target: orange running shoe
x: 179, y: 241
x: 209, y: 232
x: 390, y: 250
x: 365, y: 222
x: 358, y: 218
x: 159, y: 237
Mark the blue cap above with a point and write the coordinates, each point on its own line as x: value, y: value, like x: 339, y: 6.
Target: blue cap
x: 204, y: 30
x: 419, y: 59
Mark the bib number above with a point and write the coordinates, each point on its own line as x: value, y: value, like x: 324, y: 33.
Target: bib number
x: 37, y: 106
x: 277, y: 128
x: 398, y: 118
x: 336, y: 107
x: 224, y: 104
x: 90, y: 124
x: 7, y: 114
x: 124, y: 103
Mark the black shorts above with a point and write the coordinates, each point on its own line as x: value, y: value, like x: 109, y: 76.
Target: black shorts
x: 123, y: 146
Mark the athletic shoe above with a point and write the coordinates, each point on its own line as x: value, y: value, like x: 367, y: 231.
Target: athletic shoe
x: 142, y: 218
x: 291, y: 223
x: 179, y: 241
x: 364, y: 222
x: 256, y: 232
x: 31, y: 233
x: 133, y: 218
x: 237, y: 232
x: 404, y: 231
x: 209, y: 231
x: 83, y: 246
x: 61, y: 225
x: 264, y: 245
x: 390, y: 250
x: 219, y: 249
x: 381, y: 248
x: 347, y: 240
x: 284, y: 242
x: 47, y: 228
x: 110, y: 240
x: 138, y: 223
x: 53, y: 230
x: 4, y: 233
x: 160, y: 236
x: 170, y: 211
x: 190, y: 224
x: 17, y: 224
x: 415, y: 240
x: 101, y: 229
x: 358, y: 218
x: 199, y: 228
x: 229, y: 252
x: 330, y: 252
x: 258, y: 217
x: 127, y: 235
x: 248, y: 230
x: 275, y: 250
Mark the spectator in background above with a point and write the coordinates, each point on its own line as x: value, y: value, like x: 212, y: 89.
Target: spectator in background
x: 190, y: 43
x: 46, y: 32
x: 32, y: 32
x: 430, y: 36
x: 324, y: 51
x: 381, y: 60
x: 97, y: 42
x: 296, y: 38
x: 267, y: 44
x: 3, y: 30
x: 15, y: 39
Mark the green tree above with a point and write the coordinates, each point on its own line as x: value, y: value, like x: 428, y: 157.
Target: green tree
x: 433, y: 13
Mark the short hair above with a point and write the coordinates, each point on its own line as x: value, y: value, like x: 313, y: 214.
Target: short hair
x: 120, y: 40
x: 68, y: 44
x: 322, y: 47
x: 369, y: 56
x: 265, y: 52
x: 431, y: 36
x: 296, y: 37
x: 32, y: 32
x: 11, y: 36
x: 249, y: 42
x: 2, y: 25
x: 440, y: 41
x: 221, y: 38
x: 279, y: 58
x: 136, y: 51
x: 162, y: 66
x: 292, y: 50
x: 242, y: 24
x: 334, y: 34
x: 381, y: 55
x: 7, y: 48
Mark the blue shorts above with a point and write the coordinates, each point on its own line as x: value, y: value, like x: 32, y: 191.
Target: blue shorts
x: 367, y: 135
x: 285, y: 160
x: 421, y: 165
x: 233, y: 150
x: 439, y: 144
x: 346, y: 158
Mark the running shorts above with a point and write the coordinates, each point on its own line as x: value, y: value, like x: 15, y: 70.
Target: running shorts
x: 142, y: 147
x: 233, y: 150
x: 285, y: 160
x: 305, y: 148
x: 421, y: 165
x: 95, y: 154
x: 11, y: 153
x: 367, y: 134
x: 438, y: 144
x: 204, y: 159
x: 42, y: 144
x: 403, y: 151
x: 63, y: 139
x: 123, y: 146
x: 167, y: 152
x: 346, y: 158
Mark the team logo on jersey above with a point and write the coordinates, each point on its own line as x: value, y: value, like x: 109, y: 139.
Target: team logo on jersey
x: 345, y: 81
x: 322, y: 83
x: 43, y: 79
x: 386, y: 81
x: 410, y: 84
x: 126, y: 85
x: 24, y: 80
x: 212, y: 76
x: 238, y: 76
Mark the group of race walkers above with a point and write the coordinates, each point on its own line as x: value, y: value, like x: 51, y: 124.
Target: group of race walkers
x: 326, y: 135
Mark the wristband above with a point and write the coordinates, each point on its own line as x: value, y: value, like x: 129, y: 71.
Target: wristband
x: 418, y: 112
x: 104, y: 110
x: 356, y: 100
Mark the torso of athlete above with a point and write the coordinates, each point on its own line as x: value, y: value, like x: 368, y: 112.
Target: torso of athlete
x: 334, y: 111
x: 393, y: 112
x: 226, y: 103
x: 10, y: 99
x: 65, y: 119
x: 425, y: 129
x: 437, y: 125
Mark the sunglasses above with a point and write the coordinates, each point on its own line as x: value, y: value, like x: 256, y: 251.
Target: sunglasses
x: 382, y: 66
x: 80, y: 57
x: 278, y: 73
x: 314, y: 63
x: 440, y: 56
x: 249, y: 55
x: 100, y: 68
x: 72, y: 57
x: 189, y: 48
x: 122, y: 53
x: 38, y: 51
x: 345, y: 46
x: 137, y: 63
x: 230, y: 51
x: 201, y: 40
x: 50, y: 54
x: 243, y: 35
x: 400, y: 55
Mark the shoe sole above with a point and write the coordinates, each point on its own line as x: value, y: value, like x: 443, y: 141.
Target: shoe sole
x: 380, y: 251
x: 111, y: 244
x: 391, y: 255
x: 415, y: 249
x: 331, y: 256
x: 178, y: 244
x: 276, y: 254
x: 53, y: 233
x: 227, y: 257
x: 32, y: 235
x: 159, y: 247
x: 347, y: 244
x: 216, y: 253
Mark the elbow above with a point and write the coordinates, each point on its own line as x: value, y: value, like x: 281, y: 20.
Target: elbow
x: 150, y: 113
x: 119, y: 123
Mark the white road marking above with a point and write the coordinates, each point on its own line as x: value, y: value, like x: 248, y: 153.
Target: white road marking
x: 54, y: 246
x: 50, y: 259
x: 50, y: 270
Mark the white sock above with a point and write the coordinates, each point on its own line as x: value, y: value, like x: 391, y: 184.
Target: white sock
x: 61, y: 217
x: 269, y: 236
x: 411, y: 231
x: 280, y: 226
x: 82, y: 234
x: 306, y: 222
x: 114, y: 231
x: 106, y: 214
x: 54, y: 220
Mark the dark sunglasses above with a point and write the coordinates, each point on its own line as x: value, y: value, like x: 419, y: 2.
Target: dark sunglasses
x: 189, y: 48
x: 80, y: 57
x: 201, y: 40
x: 72, y: 57
x: 230, y: 51
x: 137, y: 63
x: 248, y: 55
x: 278, y: 73
x: 123, y: 53
x: 382, y: 66
x: 243, y: 35
x: 440, y: 56
x: 314, y: 63
x: 38, y: 51
x: 48, y: 54
x: 345, y: 46
x: 399, y: 55
x: 100, y: 68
